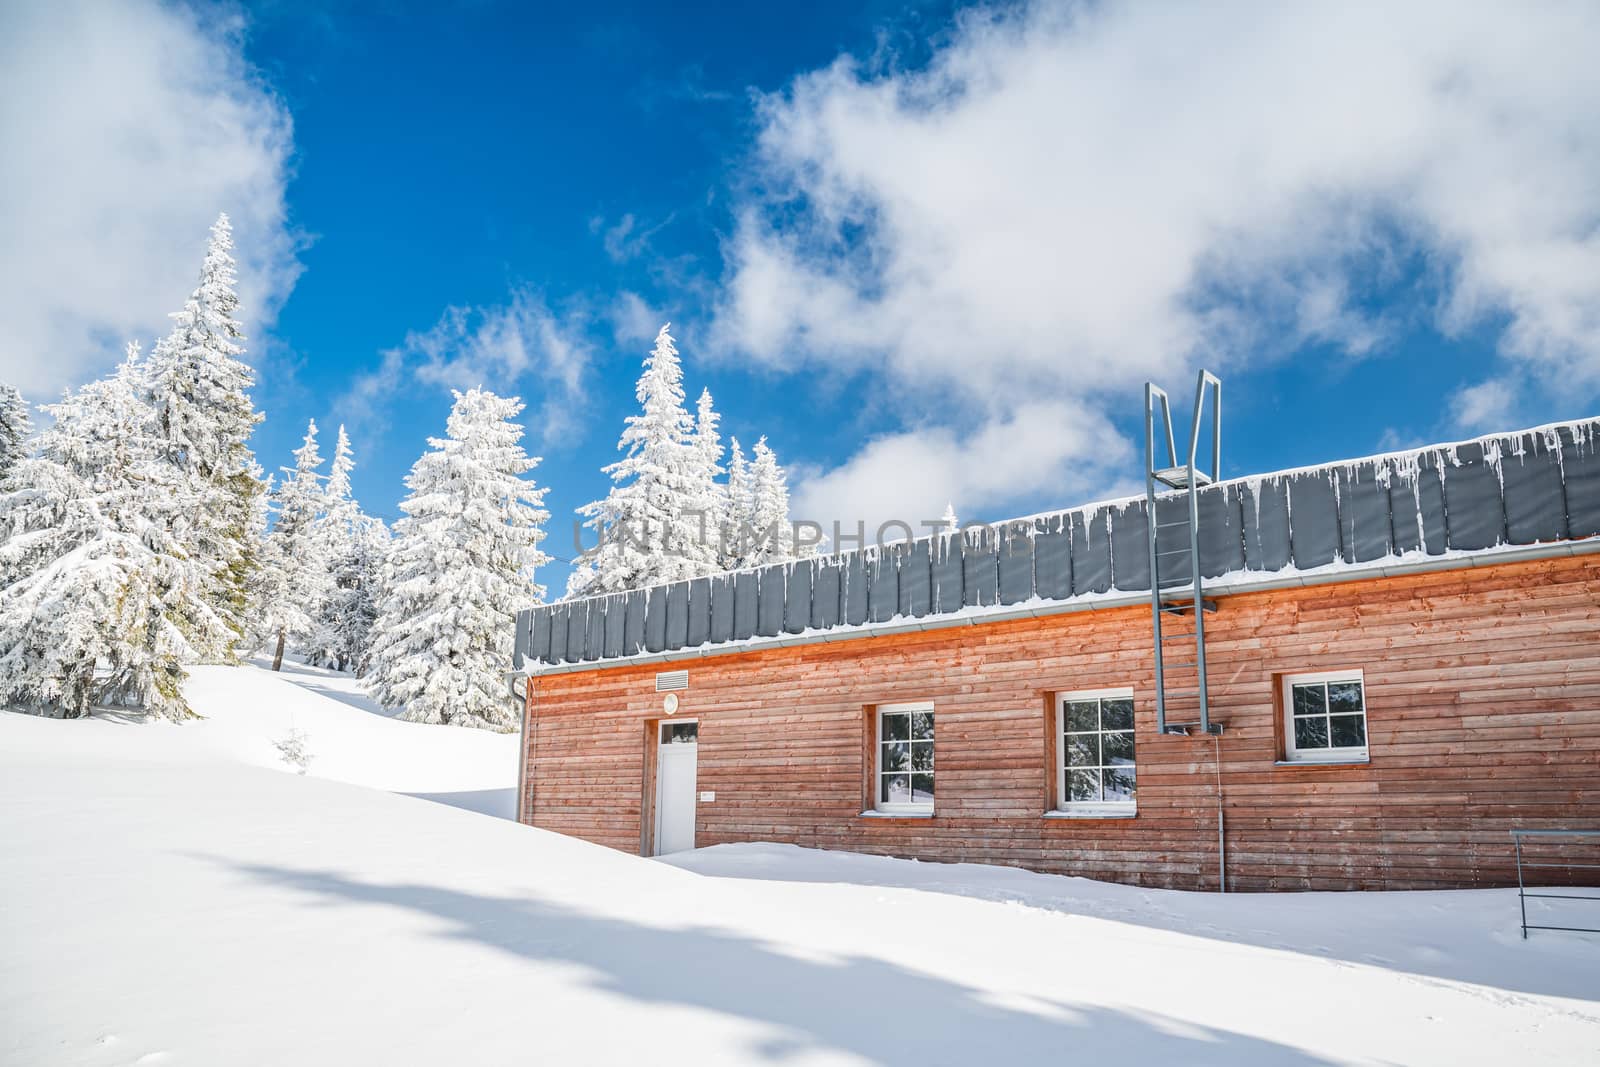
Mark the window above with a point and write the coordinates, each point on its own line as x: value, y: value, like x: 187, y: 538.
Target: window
x: 1095, y: 767
x: 904, y: 772
x: 680, y: 733
x: 1325, y: 717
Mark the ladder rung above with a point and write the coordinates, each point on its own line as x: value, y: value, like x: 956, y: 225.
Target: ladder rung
x: 1172, y: 525
x: 1186, y: 663
x: 1186, y: 727
x: 1188, y: 635
x: 1186, y: 606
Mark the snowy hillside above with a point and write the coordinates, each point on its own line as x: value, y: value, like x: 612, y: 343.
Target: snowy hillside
x: 174, y: 894
x: 348, y: 736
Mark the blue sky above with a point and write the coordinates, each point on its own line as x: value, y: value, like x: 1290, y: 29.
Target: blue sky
x: 930, y: 252
x: 495, y: 152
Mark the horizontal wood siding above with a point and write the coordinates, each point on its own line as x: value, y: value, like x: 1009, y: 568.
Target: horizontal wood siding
x: 1483, y: 707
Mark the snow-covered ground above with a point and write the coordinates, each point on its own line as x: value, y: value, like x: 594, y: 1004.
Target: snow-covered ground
x: 173, y: 894
x: 349, y: 737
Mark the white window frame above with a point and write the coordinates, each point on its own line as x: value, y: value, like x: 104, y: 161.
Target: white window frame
x: 1347, y: 754
x: 1090, y: 808
x: 878, y: 803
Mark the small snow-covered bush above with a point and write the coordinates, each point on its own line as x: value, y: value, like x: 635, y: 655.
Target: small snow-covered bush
x: 292, y: 749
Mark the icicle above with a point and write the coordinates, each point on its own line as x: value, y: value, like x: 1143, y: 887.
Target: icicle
x: 1492, y: 449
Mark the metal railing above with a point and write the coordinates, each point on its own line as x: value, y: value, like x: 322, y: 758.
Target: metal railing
x: 1522, y: 891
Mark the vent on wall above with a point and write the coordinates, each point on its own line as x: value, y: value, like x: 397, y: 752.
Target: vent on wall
x: 667, y: 681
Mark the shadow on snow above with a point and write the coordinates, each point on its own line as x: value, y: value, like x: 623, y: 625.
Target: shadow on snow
x: 868, y: 1007
x: 1375, y: 929
x: 501, y: 803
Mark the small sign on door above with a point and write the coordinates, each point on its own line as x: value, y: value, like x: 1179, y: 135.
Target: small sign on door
x: 707, y: 797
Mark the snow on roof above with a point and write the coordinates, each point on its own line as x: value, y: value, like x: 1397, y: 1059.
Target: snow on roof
x: 1493, y: 497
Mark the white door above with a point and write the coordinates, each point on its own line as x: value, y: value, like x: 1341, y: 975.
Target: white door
x: 675, y: 778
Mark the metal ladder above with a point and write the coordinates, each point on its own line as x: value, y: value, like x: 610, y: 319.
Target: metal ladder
x: 1178, y: 604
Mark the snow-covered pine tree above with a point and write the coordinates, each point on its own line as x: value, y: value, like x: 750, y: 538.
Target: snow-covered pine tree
x: 706, y: 518
x: 358, y: 583
x: 333, y: 530
x: 948, y: 523
x: 459, y: 569
x: 738, y: 516
x: 197, y: 386
x: 99, y: 603
x: 266, y: 578
x: 354, y: 545
x: 769, y: 505
x: 296, y: 552
x: 644, y: 537
x: 14, y: 428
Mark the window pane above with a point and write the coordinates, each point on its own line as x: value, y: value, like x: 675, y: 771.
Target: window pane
x: 1117, y: 714
x: 1083, y: 750
x: 1083, y: 785
x: 1309, y: 699
x: 922, y: 788
x: 1344, y: 697
x: 1118, y: 749
x: 922, y: 755
x: 1120, y: 783
x: 1349, y: 731
x: 679, y: 733
x: 896, y: 789
x: 922, y: 726
x: 1083, y: 715
x: 896, y: 727
x: 1311, y: 733
x: 896, y: 757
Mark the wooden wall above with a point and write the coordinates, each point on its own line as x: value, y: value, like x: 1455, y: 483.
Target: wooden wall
x: 1483, y: 707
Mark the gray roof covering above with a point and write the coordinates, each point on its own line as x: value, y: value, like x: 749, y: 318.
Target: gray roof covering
x: 1532, y: 487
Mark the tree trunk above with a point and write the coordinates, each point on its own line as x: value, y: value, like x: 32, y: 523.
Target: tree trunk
x: 277, y: 657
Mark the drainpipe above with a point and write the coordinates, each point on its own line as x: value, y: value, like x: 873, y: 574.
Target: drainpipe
x: 1222, y: 843
x: 522, y: 748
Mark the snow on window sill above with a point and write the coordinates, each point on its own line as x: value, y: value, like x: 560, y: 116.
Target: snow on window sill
x: 1111, y: 811
x: 896, y: 814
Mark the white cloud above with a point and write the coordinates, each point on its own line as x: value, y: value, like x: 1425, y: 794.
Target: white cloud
x: 911, y: 476
x: 627, y: 238
x: 633, y: 319
x: 1072, y: 198
x: 127, y: 128
x: 1484, y: 407
x: 505, y: 349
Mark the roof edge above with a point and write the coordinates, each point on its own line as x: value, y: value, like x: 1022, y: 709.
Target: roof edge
x: 1237, y: 583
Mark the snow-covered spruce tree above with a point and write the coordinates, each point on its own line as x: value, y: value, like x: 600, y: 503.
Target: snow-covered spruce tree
x: 14, y: 428
x: 263, y: 587
x: 948, y: 523
x: 708, y: 514
x: 738, y: 511
x: 99, y: 604
x: 459, y: 569
x: 644, y: 531
x: 354, y: 545
x: 358, y: 588
x: 197, y: 386
x: 298, y: 587
x: 769, y: 509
